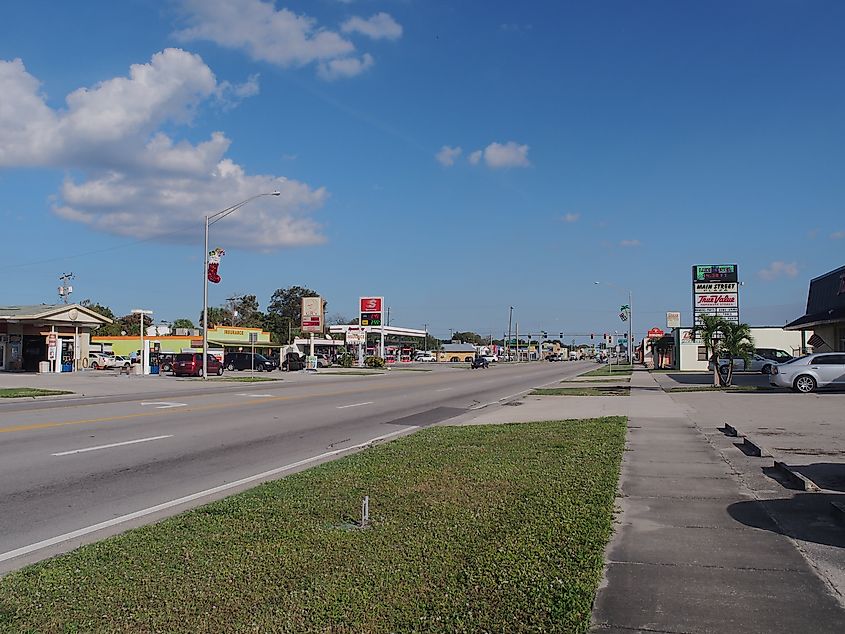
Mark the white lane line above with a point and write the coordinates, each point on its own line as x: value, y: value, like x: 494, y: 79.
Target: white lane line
x: 444, y: 389
x: 46, y: 543
x: 117, y: 444
x: 355, y: 405
x: 257, y: 395
x: 165, y: 404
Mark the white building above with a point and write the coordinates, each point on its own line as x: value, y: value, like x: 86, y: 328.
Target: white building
x: 690, y: 354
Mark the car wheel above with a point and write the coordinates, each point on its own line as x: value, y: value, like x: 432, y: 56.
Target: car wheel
x: 199, y: 372
x: 231, y: 367
x: 766, y: 369
x: 220, y: 371
x: 95, y: 365
x: 805, y: 384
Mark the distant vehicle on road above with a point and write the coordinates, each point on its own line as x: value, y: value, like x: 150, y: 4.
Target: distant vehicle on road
x: 480, y: 362
x: 190, y: 364
x: 574, y: 356
x: 810, y: 372
x: 553, y: 357
x: 323, y: 361
x: 246, y: 361
x: 491, y: 358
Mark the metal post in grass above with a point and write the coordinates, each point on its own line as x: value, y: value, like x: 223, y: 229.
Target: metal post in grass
x: 365, y: 511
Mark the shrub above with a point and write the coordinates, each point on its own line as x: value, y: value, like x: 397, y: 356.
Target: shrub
x: 374, y: 362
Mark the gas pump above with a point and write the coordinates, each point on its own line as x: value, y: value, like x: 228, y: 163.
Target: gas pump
x: 67, y: 355
x: 155, y: 357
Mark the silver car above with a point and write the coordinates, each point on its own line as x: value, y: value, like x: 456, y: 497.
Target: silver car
x: 809, y: 372
x: 756, y: 363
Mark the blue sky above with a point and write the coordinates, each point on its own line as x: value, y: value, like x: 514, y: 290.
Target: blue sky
x: 456, y: 157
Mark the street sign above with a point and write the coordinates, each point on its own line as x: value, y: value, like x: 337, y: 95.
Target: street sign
x: 355, y: 336
x: 253, y: 337
x: 371, y: 310
x: 52, y: 339
x: 312, y: 314
x: 673, y: 320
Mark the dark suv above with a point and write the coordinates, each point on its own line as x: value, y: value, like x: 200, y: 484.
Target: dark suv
x: 190, y: 364
x: 773, y: 354
x: 247, y: 361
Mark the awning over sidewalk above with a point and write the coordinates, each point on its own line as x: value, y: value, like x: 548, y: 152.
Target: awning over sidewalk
x: 830, y: 316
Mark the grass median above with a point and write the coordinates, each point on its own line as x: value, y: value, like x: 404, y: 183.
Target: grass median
x: 610, y: 370
x: 478, y: 528
x: 21, y: 392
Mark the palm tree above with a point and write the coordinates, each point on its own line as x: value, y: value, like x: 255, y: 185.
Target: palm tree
x: 711, y: 331
x: 738, y: 343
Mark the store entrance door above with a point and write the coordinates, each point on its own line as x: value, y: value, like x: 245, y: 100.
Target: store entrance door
x: 34, y: 351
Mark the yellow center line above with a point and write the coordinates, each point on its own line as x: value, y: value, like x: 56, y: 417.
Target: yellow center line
x: 180, y: 410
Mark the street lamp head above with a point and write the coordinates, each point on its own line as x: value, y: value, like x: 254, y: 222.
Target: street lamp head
x: 276, y: 193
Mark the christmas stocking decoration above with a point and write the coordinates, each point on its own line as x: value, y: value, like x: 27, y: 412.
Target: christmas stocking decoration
x: 214, y: 264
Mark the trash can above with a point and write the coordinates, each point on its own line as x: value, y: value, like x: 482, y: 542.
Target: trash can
x: 43, y: 367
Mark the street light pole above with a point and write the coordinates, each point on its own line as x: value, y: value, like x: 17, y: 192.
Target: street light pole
x: 210, y: 219
x: 141, y: 312
x: 510, y: 319
x: 630, y: 320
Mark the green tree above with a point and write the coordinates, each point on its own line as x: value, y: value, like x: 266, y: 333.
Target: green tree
x: 738, y: 343
x: 711, y: 332
x: 183, y: 323
x: 106, y: 330
x: 217, y: 316
x: 245, y: 312
x: 130, y: 324
x: 287, y: 303
x: 470, y: 337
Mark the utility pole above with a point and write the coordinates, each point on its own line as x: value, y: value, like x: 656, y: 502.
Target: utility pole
x: 425, y: 341
x: 510, y: 317
x: 65, y: 289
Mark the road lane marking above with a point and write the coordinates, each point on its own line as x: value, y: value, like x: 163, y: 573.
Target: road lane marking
x: 445, y: 389
x: 116, y: 444
x: 164, y: 404
x: 46, y: 543
x: 355, y: 405
x: 257, y: 395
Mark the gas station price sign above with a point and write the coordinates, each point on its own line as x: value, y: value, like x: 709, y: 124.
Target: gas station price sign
x: 714, y: 273
x: 371, y: 311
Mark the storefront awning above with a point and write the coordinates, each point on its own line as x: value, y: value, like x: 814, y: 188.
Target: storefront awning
x: 831, y: 316
x: 242, y: 344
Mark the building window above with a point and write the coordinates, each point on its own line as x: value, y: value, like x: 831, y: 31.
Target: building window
x: 702, y: 353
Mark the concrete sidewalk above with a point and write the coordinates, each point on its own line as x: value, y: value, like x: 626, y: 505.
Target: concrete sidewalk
x: 694, y: 551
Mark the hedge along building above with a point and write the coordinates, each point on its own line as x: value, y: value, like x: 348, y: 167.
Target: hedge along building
x: 825, y: 313
x: 46, y: 337
x: 225, y: 338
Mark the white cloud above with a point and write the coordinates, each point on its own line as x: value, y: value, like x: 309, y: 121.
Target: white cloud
x: 280, y: 37
x: 570, y: 217
x: 344, y: 67
x: 447, y: 155
x: 131, y: 178
x: 778, y: 269
x: 630, y: 243
x: 498, y: 155
x: 380, y: 26
x: 837, y: 235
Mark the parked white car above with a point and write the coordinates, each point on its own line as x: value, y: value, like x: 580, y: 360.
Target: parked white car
x: 756, y: 363
x: 425, y: 357
x: 491, y: 358
x: 812, y: 371
x: 102, y: 361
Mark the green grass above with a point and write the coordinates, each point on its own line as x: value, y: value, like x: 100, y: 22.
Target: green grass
x: 621, y: 379
x: 582, y: 391
x: 621, y: 370
x: 497, y: 528
x: 251, y: 379
x: 19, y: 392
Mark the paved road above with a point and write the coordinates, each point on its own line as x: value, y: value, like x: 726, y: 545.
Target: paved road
x: 90, y: 468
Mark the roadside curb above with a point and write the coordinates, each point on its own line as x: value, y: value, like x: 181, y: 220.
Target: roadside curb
x: 749, y: 447
x: 800, y: 480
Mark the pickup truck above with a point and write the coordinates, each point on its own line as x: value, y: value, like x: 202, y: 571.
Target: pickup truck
x: 102, y: 361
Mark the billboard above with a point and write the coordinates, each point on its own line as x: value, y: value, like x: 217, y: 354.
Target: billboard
x: 370, y: 311
x: 715, y: 291
x: 312, y: 314
x: 673, y: 319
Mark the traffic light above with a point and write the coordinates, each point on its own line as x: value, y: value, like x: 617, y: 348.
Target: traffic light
x: 561, y: 335
x: 591, y: 335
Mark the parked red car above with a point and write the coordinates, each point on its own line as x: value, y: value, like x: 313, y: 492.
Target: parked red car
x: 190, y: 364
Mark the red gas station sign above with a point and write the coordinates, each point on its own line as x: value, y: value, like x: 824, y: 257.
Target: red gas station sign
x: 370, y: 313
x: 655, y: 333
